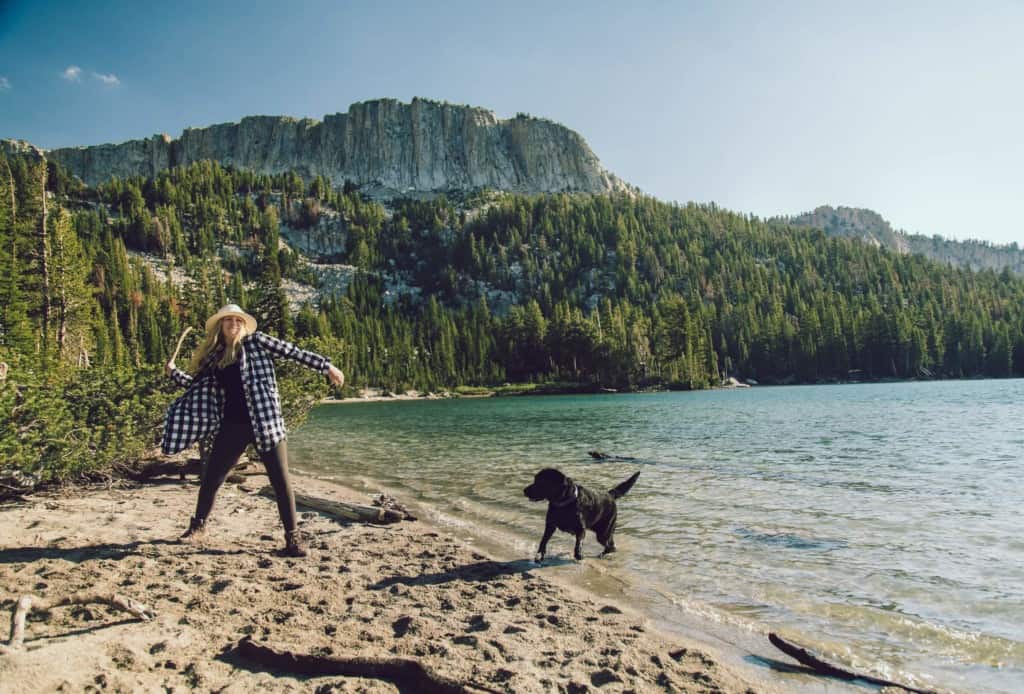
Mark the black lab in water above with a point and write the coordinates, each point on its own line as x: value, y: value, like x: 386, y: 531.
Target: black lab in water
x: 574, y: 509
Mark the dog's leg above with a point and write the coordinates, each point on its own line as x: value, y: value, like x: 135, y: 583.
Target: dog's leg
x: 549, y: 530
x: 581, y: 532
x: 578, y: 551
x: 606, y: 532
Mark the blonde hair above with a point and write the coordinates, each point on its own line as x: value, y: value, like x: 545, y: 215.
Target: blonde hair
x: 212, y: 346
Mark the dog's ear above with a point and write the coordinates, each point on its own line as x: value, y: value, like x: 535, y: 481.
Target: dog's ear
x: 560, y: 480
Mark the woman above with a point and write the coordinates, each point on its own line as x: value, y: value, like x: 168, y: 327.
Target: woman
x: 233, y: 394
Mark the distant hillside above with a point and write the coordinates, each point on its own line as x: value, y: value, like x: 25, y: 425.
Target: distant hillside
x: 384, y: 146
x: 872, y: 228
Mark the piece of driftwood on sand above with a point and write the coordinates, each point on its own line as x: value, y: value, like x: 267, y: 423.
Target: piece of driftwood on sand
x: 805, y: 656
x: 192, y: 466
x: 344, y: 509
x: 402, y: 671
x: 28, y: 603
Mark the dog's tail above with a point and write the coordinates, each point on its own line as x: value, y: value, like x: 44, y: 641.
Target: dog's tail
x: 620, y: 491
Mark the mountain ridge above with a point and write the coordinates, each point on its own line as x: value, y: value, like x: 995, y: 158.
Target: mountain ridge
x: 870, y: 227
x: 387, y: 147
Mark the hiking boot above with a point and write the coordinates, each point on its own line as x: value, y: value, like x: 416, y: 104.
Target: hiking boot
x: 196, y: 531
x: 293, y: 545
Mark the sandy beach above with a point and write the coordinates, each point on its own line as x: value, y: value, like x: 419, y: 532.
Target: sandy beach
x: 402, y: 590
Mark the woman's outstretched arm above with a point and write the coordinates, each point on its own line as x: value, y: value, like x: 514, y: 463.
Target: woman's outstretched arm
x: 177, y: 375
x: 311, y: 360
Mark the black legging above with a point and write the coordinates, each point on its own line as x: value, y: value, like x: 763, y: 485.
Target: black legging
x: 228, y: 447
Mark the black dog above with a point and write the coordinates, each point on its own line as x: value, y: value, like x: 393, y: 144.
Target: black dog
x: 574, y: 509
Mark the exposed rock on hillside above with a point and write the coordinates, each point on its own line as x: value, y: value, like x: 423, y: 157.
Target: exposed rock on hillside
x: 870, y: 227
x: 855, y: 222
x: 391, y: 148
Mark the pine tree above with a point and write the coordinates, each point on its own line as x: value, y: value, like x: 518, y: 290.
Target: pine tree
x: 72, y: 296
x: 270, y: 301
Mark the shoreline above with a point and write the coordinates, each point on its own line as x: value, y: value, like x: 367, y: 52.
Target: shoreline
x: 738, y: 646
x: 410, y: 589
x: 381, y: 395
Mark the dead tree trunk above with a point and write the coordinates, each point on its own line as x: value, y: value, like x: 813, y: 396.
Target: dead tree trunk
x: 44, y: 270
x: 62, y: 298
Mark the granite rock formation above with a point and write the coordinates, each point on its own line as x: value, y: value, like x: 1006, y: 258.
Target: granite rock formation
x: 389, y: 147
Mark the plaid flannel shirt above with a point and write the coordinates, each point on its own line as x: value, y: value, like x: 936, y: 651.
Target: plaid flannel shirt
x: 197, y: 413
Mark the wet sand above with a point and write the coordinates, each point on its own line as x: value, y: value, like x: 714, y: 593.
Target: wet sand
x: 402, y: 590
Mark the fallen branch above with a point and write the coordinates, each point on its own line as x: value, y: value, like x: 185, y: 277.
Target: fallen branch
x: 342, y: 509
x: 168, y: 469
x: 402, y: 671
x: 819, y: 664
x: 29, y: 603
x: 193, y: 466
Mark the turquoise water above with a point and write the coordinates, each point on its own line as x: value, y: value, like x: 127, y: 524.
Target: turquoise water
x: 878, y: 522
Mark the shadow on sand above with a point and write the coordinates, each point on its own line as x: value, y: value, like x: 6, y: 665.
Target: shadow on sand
x: 478, y: 571
x: 84, y: 553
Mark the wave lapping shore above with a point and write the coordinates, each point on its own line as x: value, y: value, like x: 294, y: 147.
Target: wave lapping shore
x: 390, y: 591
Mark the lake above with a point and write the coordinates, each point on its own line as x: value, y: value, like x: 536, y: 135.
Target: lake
x: 878, y: 522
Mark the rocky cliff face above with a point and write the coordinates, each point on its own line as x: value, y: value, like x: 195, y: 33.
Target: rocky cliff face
x: 855, y: 222
x: 870, y: 227
x: 388, y: 146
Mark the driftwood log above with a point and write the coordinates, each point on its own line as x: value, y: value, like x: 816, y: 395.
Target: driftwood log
x: 28, y: 603
x: 193, y: 466
x: 817, y: 663
x: 343, y: 509
x: 392, y: 504
x: 402, y: 671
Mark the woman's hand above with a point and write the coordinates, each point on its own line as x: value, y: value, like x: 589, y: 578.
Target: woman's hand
x: 335, y: 375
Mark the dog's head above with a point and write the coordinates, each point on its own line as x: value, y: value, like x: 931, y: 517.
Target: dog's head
x: 549, y: 484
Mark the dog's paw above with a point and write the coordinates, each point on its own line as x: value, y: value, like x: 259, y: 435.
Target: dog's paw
x: 578, y: 554
x: 538, y: 558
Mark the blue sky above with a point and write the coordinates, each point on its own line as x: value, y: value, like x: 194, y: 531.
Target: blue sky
x: 914, y: 110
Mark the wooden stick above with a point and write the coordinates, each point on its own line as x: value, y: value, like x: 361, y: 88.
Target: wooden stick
x: 21, y: 611
x: 121, y: 602
x: 816, y: 662
x: 180, y: 341
x: 342, y: 509
x: 29, y: 603
x: 404, y: 671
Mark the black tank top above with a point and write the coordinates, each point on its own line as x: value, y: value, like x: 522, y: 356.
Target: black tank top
x: 230, y: 379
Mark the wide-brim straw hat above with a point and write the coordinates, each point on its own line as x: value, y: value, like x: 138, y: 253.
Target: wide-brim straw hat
x: 231, y: 310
